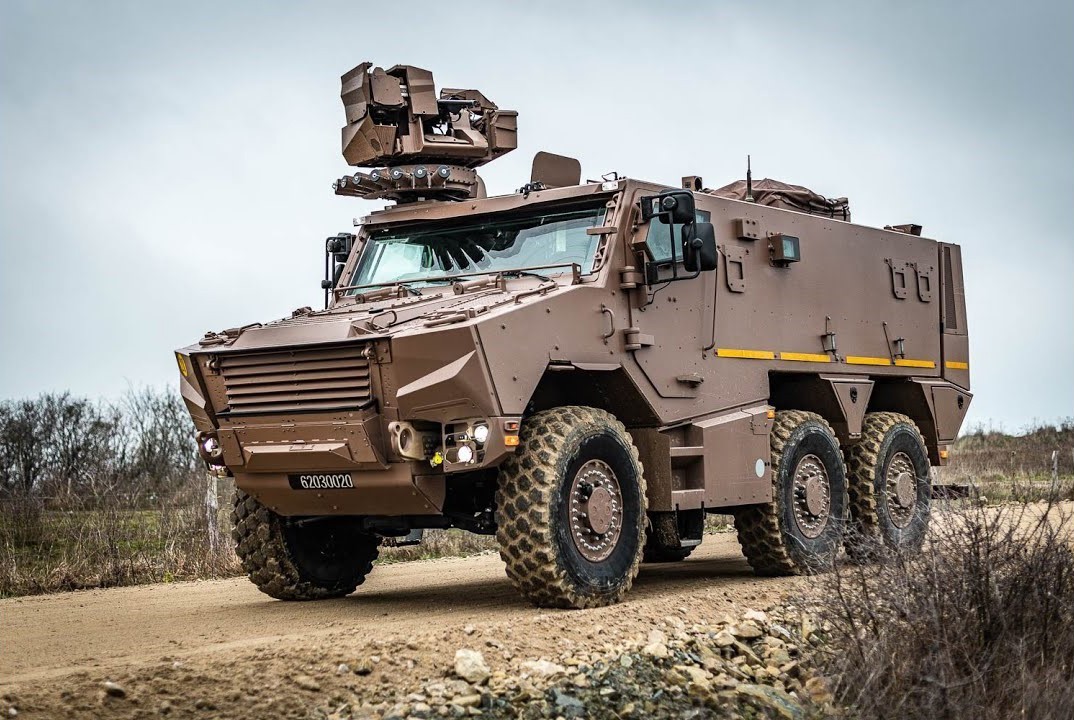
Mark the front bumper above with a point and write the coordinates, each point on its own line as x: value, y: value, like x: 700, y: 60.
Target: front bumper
x: 348, y: 441
x: 394, y: 490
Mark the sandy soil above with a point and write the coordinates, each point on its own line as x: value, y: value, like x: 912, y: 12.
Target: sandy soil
x: 224, y: 648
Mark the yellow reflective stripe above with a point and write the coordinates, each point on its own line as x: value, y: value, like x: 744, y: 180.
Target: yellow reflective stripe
x: 804, y: 357
x: 865, y: 360
x: 747, y: 354
x: 904, y: 362
x: 819, y: 358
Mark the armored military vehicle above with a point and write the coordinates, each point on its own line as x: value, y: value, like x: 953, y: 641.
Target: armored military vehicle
x: 584, y: 369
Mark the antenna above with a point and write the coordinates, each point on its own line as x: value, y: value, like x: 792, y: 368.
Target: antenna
x: 749, y: 181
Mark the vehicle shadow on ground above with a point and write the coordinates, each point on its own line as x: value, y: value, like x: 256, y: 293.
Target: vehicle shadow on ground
x: 499, y: 594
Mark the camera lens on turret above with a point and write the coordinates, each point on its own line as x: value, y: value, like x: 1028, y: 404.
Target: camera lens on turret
x: 375, y: 175
x: 396, y: 173
x: 443, y: 171
x: 420, y: 172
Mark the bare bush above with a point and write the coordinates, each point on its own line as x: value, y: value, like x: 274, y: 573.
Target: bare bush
x: 98, y: 494
x: 979, y: 625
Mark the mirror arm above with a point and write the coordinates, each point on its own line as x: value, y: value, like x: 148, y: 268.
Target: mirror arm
x: 327, y: 271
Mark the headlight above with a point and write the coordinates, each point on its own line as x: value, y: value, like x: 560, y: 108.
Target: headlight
x: 210, y: 449
x: 465, y: 453
x: 211, y: 446
x: 481, y: 433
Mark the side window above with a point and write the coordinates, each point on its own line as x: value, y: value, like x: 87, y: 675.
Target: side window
x: 659, y: 238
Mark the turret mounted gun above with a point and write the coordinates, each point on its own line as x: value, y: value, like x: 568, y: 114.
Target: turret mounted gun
x: 421, y: 146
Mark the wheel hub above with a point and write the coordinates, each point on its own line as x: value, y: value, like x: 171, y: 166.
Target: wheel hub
x: 816, y: 496
x: 600, y: 510
x: 596, y: 510
x: 812, y: 496
x: 901, y: 489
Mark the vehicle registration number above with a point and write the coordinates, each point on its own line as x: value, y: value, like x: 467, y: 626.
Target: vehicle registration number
x: 321, y: 482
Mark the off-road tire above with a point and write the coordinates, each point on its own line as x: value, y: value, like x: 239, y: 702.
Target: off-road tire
x: 662, y: 539
x: 872, y: 526
x: 325, y: 558
x: 770, y: 538
x: 532, y: 509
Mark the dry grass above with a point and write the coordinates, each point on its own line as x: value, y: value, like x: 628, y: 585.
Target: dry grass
x: 71, y: 543
x: 439, y: 544
x: 979, y: 625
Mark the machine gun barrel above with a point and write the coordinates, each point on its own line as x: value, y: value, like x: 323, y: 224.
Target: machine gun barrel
x: 453, y: 105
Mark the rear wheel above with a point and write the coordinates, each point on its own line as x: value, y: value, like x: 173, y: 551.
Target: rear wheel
x: 570, y: 509
x: 300, y: 558
x: 890, y: 486
x: 801, y: 530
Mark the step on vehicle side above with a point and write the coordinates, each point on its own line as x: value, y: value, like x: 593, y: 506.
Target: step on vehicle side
x: 583, y: 370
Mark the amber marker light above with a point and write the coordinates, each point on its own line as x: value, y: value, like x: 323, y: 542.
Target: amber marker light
x: 771, y: 414
x: 510, y: 432
x: 182, y: 364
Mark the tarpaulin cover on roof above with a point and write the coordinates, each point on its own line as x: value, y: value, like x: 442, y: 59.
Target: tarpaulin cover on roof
x: 789, y: 197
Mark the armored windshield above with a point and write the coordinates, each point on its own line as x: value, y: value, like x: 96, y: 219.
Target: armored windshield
x: 427, y: 253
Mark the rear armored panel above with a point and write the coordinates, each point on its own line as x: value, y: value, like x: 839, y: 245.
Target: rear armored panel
x: 956, y: 352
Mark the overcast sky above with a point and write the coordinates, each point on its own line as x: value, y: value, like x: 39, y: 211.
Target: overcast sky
x: 165, y: 168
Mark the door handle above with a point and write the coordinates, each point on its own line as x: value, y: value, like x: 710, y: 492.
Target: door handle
x: 605, y: 310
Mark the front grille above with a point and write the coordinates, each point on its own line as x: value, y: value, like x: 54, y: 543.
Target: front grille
x: 331, y: 378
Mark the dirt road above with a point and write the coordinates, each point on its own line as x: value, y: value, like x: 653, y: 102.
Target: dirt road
x: 223, y: 646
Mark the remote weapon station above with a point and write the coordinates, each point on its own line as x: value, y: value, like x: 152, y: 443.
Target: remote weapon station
x: 583, y: 369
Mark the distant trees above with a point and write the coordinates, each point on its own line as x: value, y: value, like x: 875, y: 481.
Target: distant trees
x: 60, y: 445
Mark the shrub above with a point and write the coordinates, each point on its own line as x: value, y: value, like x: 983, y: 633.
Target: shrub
x: 979, y: 625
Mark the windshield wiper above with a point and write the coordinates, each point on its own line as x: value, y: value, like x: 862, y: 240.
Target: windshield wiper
x: 527, y: 273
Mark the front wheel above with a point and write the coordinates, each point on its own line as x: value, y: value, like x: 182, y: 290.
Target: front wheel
x: 570, y: 509
x: 300, y: 558
x: 801, y: 530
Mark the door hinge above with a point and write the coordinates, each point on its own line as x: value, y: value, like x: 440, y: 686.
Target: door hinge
x: 630, y: 277
x: 635, y: 339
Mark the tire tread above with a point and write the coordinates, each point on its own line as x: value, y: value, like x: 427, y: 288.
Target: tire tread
x: 762, y: 540
x: 267, y: 561
x: 525, y: 526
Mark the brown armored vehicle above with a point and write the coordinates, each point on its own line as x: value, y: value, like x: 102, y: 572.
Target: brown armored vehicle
x: 583, y: 369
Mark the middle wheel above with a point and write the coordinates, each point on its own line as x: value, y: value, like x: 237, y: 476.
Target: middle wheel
x: 801, y: 530
x: 570, y: 509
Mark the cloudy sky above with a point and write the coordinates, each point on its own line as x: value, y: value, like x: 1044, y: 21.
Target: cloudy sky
x: 165, y: 168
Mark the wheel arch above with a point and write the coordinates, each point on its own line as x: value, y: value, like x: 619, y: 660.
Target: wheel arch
x: 840, y: 400
x: 912, y: 399
x: 606, y: 387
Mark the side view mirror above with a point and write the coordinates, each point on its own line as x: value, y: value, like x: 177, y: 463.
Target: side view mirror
x: 672, y: 207
x: 336, y: 251
x: 699, y: 247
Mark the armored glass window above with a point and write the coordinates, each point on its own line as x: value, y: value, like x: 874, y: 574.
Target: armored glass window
x: 426, y: 254
x: 659, y: 238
